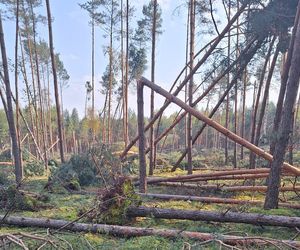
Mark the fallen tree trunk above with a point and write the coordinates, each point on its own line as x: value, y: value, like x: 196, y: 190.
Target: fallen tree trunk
x: 126, y: 231
x: 233, y: 217
x: 213, y: 174
x: 223, y: 187
x: 209, y: 200
x: 9, y: 163
x: 237, y: 139
x: 227, y: 177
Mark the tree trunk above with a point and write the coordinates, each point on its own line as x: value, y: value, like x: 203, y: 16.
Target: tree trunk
x: 264, y: 102
x: 127, y: 231
x: 247, y: 218
x: 284, y: 79
x: 56, y: 91
x: 217, y: 126
x: 190, y: 86
x: 212, y: 200
x: 228, y: 81
x: 250, y: 54
x: 153, y: 47
x: 186, y: 80
x: 260, y: 87
x: 10, y: 111
x: 41, y: 116
x: 18, y: 130
x: 142, y: 159
x: 271, y: 200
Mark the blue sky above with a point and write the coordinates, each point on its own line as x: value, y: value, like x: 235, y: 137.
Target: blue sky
x: 72, y: 39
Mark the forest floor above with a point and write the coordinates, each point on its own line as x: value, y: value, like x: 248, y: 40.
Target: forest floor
x: 67, y: 206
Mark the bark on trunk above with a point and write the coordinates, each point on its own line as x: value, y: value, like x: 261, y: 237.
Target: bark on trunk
x: 260, y: 87
x: 233, y: 217
x: 185, y: 81
x: 271, y: 200
x: 10, y: 111
x: 212, y: 200
x: 126, y: 231
x: 217, y: 126
x: 152, y: 144
x: 142, y: 157
x: 56, y: 91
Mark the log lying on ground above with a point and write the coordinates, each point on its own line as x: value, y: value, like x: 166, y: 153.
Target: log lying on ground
x: 209, y: 200
x: 223, y: 187
x: 233, y: 217
x: 127, y: 231
x: 9, y: 163
x: 205, y: 175
x: 234, y: 137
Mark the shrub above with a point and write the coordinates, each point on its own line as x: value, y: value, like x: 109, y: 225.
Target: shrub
x: 34, y: 168
x: 113, y: 202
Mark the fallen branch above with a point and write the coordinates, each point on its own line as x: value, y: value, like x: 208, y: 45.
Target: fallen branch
x: 212, y: 200
x: 233, y: 217
x: 126, y: 231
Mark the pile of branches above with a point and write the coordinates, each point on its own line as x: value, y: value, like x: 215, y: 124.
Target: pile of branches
x: 111, y: 203
x: 96, y: 167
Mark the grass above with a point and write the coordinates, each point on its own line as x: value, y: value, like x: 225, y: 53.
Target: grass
x: 68, y: 206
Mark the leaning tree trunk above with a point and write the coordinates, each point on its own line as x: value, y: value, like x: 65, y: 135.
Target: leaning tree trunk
x: 216, y: 125
x: 187, y: 78
x: 56, y: 91
x: 10, y: 111
x: 271, y: 200
x: 260, y: 87
x: 264, y: 101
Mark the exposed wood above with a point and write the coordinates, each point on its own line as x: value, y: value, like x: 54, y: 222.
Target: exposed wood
x: 223, y: 187
x: 126, y: 231
x: 213, y: 174
x: 210, y: 200
x: 8, y: 163
x: 233, y: 217
x: 230, y: 177
x: 260, y: 152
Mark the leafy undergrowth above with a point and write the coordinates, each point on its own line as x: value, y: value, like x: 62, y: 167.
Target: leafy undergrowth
x: 68, y: 206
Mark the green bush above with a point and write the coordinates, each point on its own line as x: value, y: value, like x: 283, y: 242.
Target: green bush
x: 3, y: 178
x: 34, y: 168
x: 5, y: 155
x: 10, y: 198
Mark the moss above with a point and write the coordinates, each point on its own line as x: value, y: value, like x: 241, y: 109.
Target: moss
x: 113, y: 203
x: 12, y: 198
